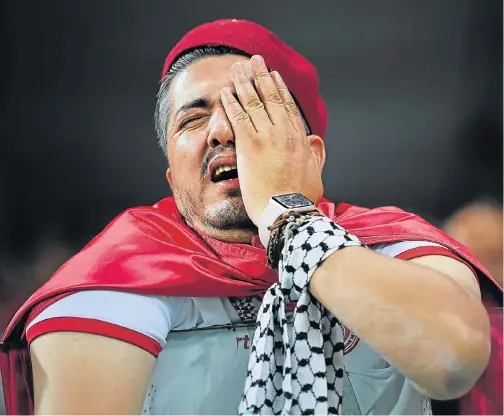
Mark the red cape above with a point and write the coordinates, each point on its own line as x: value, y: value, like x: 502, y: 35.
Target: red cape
x: 151, y: 250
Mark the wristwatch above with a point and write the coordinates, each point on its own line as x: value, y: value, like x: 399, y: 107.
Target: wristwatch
x: 277, y: 206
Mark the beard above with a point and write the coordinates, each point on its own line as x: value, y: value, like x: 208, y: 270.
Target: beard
x: 230, y: 214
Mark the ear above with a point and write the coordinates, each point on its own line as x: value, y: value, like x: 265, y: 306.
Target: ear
x: 169, y: 177
x: 318, y: 149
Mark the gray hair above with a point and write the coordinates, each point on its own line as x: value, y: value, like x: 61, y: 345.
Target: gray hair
x: 163, y: 104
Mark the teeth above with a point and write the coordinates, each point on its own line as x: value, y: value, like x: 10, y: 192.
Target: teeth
x: 221, y: 169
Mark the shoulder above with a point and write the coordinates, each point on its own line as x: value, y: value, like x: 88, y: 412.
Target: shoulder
x: 432, y: 255
x: 154, y: 217
x: 391, y: 225
x: 141, y: 320
x: 408, y: 250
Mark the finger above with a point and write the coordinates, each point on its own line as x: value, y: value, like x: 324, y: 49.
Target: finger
x: 289, y: 103
x: 248, y: 97
x: 230, y: 82
x: 239, y: 119
x: 268, y: 90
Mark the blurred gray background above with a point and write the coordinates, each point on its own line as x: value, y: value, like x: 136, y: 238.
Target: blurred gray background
x: 414, y: 90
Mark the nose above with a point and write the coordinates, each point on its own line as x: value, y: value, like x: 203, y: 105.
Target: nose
x: 220, y: 132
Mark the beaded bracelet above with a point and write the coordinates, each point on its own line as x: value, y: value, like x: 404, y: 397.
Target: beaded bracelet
x: 277, y: 236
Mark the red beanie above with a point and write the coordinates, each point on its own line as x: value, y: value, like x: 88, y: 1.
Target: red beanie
x: 297, y: 72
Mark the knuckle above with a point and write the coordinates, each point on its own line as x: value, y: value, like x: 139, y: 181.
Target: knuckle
x: 262, y: 74
x: 256, y: 142
x: 241, y: 117
x: 274, y: 98
x: 283, y: 89
x: 291, y: 107
x: 257, y: 145
x: 254, y: 103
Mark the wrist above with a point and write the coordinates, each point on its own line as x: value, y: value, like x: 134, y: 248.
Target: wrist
x: 278, y: 233
x: 279, y: 205
x: 307, y: 246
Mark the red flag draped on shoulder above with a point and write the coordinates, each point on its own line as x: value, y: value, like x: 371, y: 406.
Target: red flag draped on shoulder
x: 151, y: 250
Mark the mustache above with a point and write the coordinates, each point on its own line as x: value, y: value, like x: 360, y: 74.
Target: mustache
x: 211, y: 154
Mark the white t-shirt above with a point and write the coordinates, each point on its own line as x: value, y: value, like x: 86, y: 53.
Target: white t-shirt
x: 147, y: 322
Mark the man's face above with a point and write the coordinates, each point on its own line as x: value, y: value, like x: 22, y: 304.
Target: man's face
x: 201, y: 152
x: 479, y: 227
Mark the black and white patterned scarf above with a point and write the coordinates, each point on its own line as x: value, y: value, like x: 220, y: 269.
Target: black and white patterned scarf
x: 303, y: 375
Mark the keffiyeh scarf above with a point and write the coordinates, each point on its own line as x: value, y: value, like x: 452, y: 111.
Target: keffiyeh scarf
x: 301, y: 373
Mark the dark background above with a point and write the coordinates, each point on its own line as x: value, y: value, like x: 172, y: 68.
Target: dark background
x: 414, y: 90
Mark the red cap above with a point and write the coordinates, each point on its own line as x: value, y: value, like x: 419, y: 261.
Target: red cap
x: 297, y: 72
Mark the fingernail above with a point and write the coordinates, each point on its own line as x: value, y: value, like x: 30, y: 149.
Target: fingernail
x: 258, y: 59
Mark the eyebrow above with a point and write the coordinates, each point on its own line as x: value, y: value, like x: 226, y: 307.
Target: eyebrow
x: 196, y: 103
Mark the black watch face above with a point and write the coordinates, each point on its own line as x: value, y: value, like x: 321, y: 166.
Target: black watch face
x: 293, y: 201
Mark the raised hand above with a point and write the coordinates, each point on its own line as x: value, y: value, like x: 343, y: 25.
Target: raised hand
x: 274, y: 154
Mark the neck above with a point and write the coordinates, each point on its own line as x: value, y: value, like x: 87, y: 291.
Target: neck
x: 232, y: 236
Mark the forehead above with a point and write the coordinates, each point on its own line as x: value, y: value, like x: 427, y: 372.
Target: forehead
x: 203, y: 79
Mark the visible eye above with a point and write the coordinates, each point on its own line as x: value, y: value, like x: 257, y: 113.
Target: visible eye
x: 187, y: 122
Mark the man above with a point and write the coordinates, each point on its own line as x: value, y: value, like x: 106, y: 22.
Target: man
x: 157, y: 314
x: 479, y: 226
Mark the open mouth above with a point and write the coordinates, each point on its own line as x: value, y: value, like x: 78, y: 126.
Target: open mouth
x: 224, y: 173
